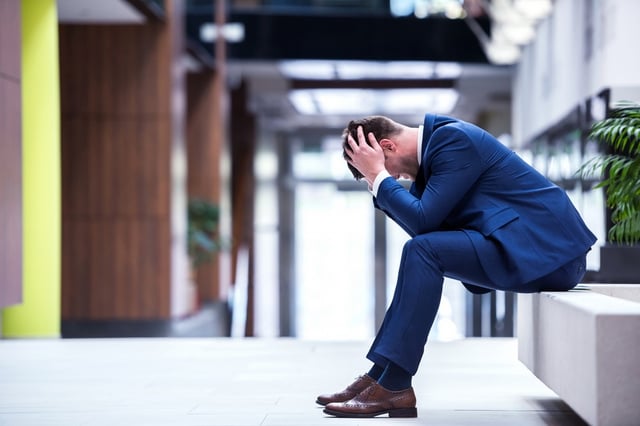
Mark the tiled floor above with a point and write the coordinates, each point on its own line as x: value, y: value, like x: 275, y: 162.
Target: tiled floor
x: 254, y: 382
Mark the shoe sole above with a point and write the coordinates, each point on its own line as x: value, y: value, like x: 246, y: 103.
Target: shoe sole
x: 394, y: 412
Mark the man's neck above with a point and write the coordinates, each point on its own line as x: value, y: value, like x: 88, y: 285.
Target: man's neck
x: 413, y: 139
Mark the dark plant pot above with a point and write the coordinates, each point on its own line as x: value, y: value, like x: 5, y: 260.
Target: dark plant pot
x: 619, y: 264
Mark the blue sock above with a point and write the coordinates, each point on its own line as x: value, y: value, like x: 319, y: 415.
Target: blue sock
x: 375, y: 372
x: 395, y: 378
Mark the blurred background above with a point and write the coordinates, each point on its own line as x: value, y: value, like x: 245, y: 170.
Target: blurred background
x: 174, y: 168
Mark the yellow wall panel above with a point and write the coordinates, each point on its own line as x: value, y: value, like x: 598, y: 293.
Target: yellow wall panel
x: 39, y: 314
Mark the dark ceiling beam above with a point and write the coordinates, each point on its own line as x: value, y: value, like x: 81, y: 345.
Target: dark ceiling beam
x: 443, y: 83
x: 271, y: 36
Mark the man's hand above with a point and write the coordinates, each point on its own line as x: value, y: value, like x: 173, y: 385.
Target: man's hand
x: 369, y: 160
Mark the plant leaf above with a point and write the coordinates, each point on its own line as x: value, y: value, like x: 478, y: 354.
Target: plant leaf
x: 620, y: 171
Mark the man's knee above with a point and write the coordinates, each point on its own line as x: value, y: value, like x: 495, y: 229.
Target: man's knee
x: 422, y: 246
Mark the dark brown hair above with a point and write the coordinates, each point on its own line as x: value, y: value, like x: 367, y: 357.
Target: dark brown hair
x: 381, y: 127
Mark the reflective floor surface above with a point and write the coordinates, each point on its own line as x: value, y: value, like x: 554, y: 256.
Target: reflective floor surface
x: 256, y: 382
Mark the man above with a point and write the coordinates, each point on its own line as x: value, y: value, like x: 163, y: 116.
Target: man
x: 476, y: 213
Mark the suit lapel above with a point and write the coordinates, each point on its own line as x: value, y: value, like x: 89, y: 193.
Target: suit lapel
x: 420, y: 184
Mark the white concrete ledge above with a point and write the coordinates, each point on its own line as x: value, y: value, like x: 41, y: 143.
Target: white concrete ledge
x: 585, y: 345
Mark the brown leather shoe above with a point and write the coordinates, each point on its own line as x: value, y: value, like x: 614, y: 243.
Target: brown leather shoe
x: 374, y: 401
x: 360, y: 384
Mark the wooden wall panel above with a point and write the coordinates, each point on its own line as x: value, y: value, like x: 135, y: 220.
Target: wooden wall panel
x: 10, y: 155
x: 113, y: 65
x: 203, y: 159
x: 116, y: 147
x: 243, y: 187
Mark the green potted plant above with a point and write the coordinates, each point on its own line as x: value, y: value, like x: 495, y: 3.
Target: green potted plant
x: 619, y: 168
x: 202, y: 233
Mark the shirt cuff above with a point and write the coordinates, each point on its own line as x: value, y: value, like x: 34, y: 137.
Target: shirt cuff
x: 377, y: 181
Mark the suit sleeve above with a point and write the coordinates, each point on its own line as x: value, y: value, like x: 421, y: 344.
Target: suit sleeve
x: 453, y: 166
x: 392, y: 217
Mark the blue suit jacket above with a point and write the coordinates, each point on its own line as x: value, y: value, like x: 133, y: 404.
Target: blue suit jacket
x: 469, y: 181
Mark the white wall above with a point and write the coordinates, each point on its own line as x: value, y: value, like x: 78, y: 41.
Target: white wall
x: 583, y: 47
x: 617, y: 48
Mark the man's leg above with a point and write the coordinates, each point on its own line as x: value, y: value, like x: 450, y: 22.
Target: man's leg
x: 399, y: 344
x: 426, y: 259
x: 562, y: 279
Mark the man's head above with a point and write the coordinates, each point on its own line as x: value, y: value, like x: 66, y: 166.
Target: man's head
x: 398, y: 142
x: 381, y: 127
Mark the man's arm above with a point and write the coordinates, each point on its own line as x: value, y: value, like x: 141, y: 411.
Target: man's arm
x: 454, y: 165
x: 392, y: 217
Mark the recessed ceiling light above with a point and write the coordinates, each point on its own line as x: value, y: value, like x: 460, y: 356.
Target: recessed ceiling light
x: 351, y: 70
x: 359, y: 102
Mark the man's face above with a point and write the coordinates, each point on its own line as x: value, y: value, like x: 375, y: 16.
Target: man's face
x: 401, y: 164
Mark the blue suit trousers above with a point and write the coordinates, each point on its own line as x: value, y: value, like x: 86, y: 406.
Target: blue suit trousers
x: 426, y: 260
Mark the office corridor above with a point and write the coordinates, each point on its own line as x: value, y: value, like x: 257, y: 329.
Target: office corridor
x: 255, y: 382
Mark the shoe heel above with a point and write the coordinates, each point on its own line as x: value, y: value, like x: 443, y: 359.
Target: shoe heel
x: 404, y: 412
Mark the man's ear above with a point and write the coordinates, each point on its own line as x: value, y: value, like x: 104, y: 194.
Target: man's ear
x: 387, y: 145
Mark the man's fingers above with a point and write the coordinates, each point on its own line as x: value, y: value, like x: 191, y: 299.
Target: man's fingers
x: 352, y: 143
x: 365, y: 156
x: 374, y: 142
x: 362, y: 140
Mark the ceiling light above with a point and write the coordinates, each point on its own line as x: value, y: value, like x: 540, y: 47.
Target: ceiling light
x: 502, y: 53
x: 233, y: 32
x: 315, y: 70
x: 401, y: 7
x: 352, y: 70
x: 515, y: 33
x: 452, y: 9
x: 360, y: 102
x: 533, y: 9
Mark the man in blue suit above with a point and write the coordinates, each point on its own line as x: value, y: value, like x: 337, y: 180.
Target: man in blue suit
x: 476, y: 213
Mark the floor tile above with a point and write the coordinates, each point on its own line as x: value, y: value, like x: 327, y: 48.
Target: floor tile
x: 255, y: 382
